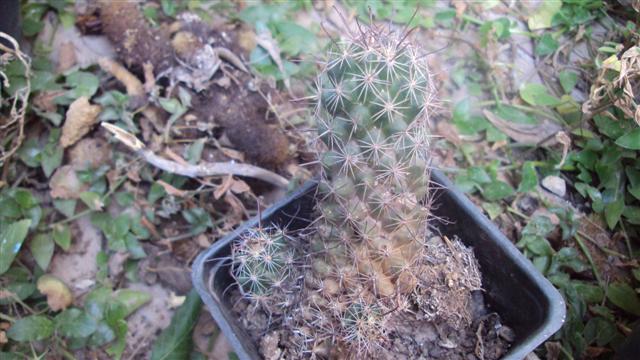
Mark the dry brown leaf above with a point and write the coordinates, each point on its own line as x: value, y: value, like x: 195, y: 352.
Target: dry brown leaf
x: 150, y: 226
x: 175, y: 157
x: 233, y: 154
x: 58, y: 294
x: 131, y: 82
x: 449, y: 132
x: 237, y: 211
x: 81, y: 116
x: 64, y: 183
x: 171, y: 190
x: 66, y: 57
x: 44, y: 100
x: 238, y: 186
x: 90, y: 153
x: 535, y: 135
x: 223, y: 188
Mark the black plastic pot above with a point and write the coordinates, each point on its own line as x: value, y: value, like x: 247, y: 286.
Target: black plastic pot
x: 525, y: 300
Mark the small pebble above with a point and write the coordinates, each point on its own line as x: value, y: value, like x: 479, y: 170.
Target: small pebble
x: 555, y: 184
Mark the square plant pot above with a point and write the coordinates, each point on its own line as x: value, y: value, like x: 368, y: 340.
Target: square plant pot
x: 513, y: 287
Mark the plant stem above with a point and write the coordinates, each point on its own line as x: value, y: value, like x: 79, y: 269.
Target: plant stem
x: 7, y: 318
x: 587, y: 253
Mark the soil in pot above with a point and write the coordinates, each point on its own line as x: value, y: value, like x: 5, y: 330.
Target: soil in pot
x: 450, y: 320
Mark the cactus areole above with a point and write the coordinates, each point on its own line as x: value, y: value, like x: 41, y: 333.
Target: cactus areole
x: 336, y: 286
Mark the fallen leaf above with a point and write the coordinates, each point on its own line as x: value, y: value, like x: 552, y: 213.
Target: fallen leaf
x: 89, y: 153
x: 66, y: 57
x: 81, y: 116
x: 171, y: 190
x: 233, y: 154
x: 223, y: 188
x: 535, y: 135
x: 131, y: 82
x: 58, y: 294
x: 64, y: 183
x: 238, y: 186
x: 45, y: 100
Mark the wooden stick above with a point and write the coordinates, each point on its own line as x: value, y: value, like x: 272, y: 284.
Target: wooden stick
x: 193, y: 171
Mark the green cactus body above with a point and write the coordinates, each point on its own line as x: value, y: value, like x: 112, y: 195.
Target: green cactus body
x: 264, y: 265
x: 374, y: 98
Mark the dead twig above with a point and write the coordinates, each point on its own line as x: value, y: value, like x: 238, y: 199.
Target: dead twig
x: 20, y: 100
x: 194, y: 171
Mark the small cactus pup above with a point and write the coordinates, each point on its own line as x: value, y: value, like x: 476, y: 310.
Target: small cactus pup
x: 266, y: 268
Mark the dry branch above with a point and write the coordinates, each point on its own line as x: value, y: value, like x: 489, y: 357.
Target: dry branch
x: 18, y: 111
x: 194, y: 171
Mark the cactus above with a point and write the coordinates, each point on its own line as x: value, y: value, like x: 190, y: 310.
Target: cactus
x: 264, y: 265
x: 368, y: 250
x: 374, y: 99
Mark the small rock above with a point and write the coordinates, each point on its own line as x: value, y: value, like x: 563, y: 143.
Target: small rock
x: 555, y: 185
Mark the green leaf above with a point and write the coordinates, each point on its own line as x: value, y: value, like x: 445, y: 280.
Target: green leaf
x: 31, y: 328
x: 175, y: 342
x: 131, y: 300
x: 11, y: 239
x: 66, y: 207
x: 467, y: 123
x: 630, y: 140
x: 156, y: 192
x: 199, y: 218
x: 82, y: 84
x: 171, y: 105
x: 168, y: 7
x: 193, y: 152
x: 568, y: 80
x: 62, y: 236
x: 592, y: 294
x: 42, y: 247
x: 529, y: 177
x: 537, y: 94
x: 567, y: 257
x: 492, y: 209
x: 478, y: 175
x: 623, y: 296
x: 92, y: 199
x: 293, y: 38
x: 497, y: 190
x: 542, y: 17
x: 600, y: 331
x: 611, y: 128
x: 512, y: 114
x: 612, y: 212
x: 546, y: 45
x: 103, y: 335
x: 632, y: 214
x: 75, y: 323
